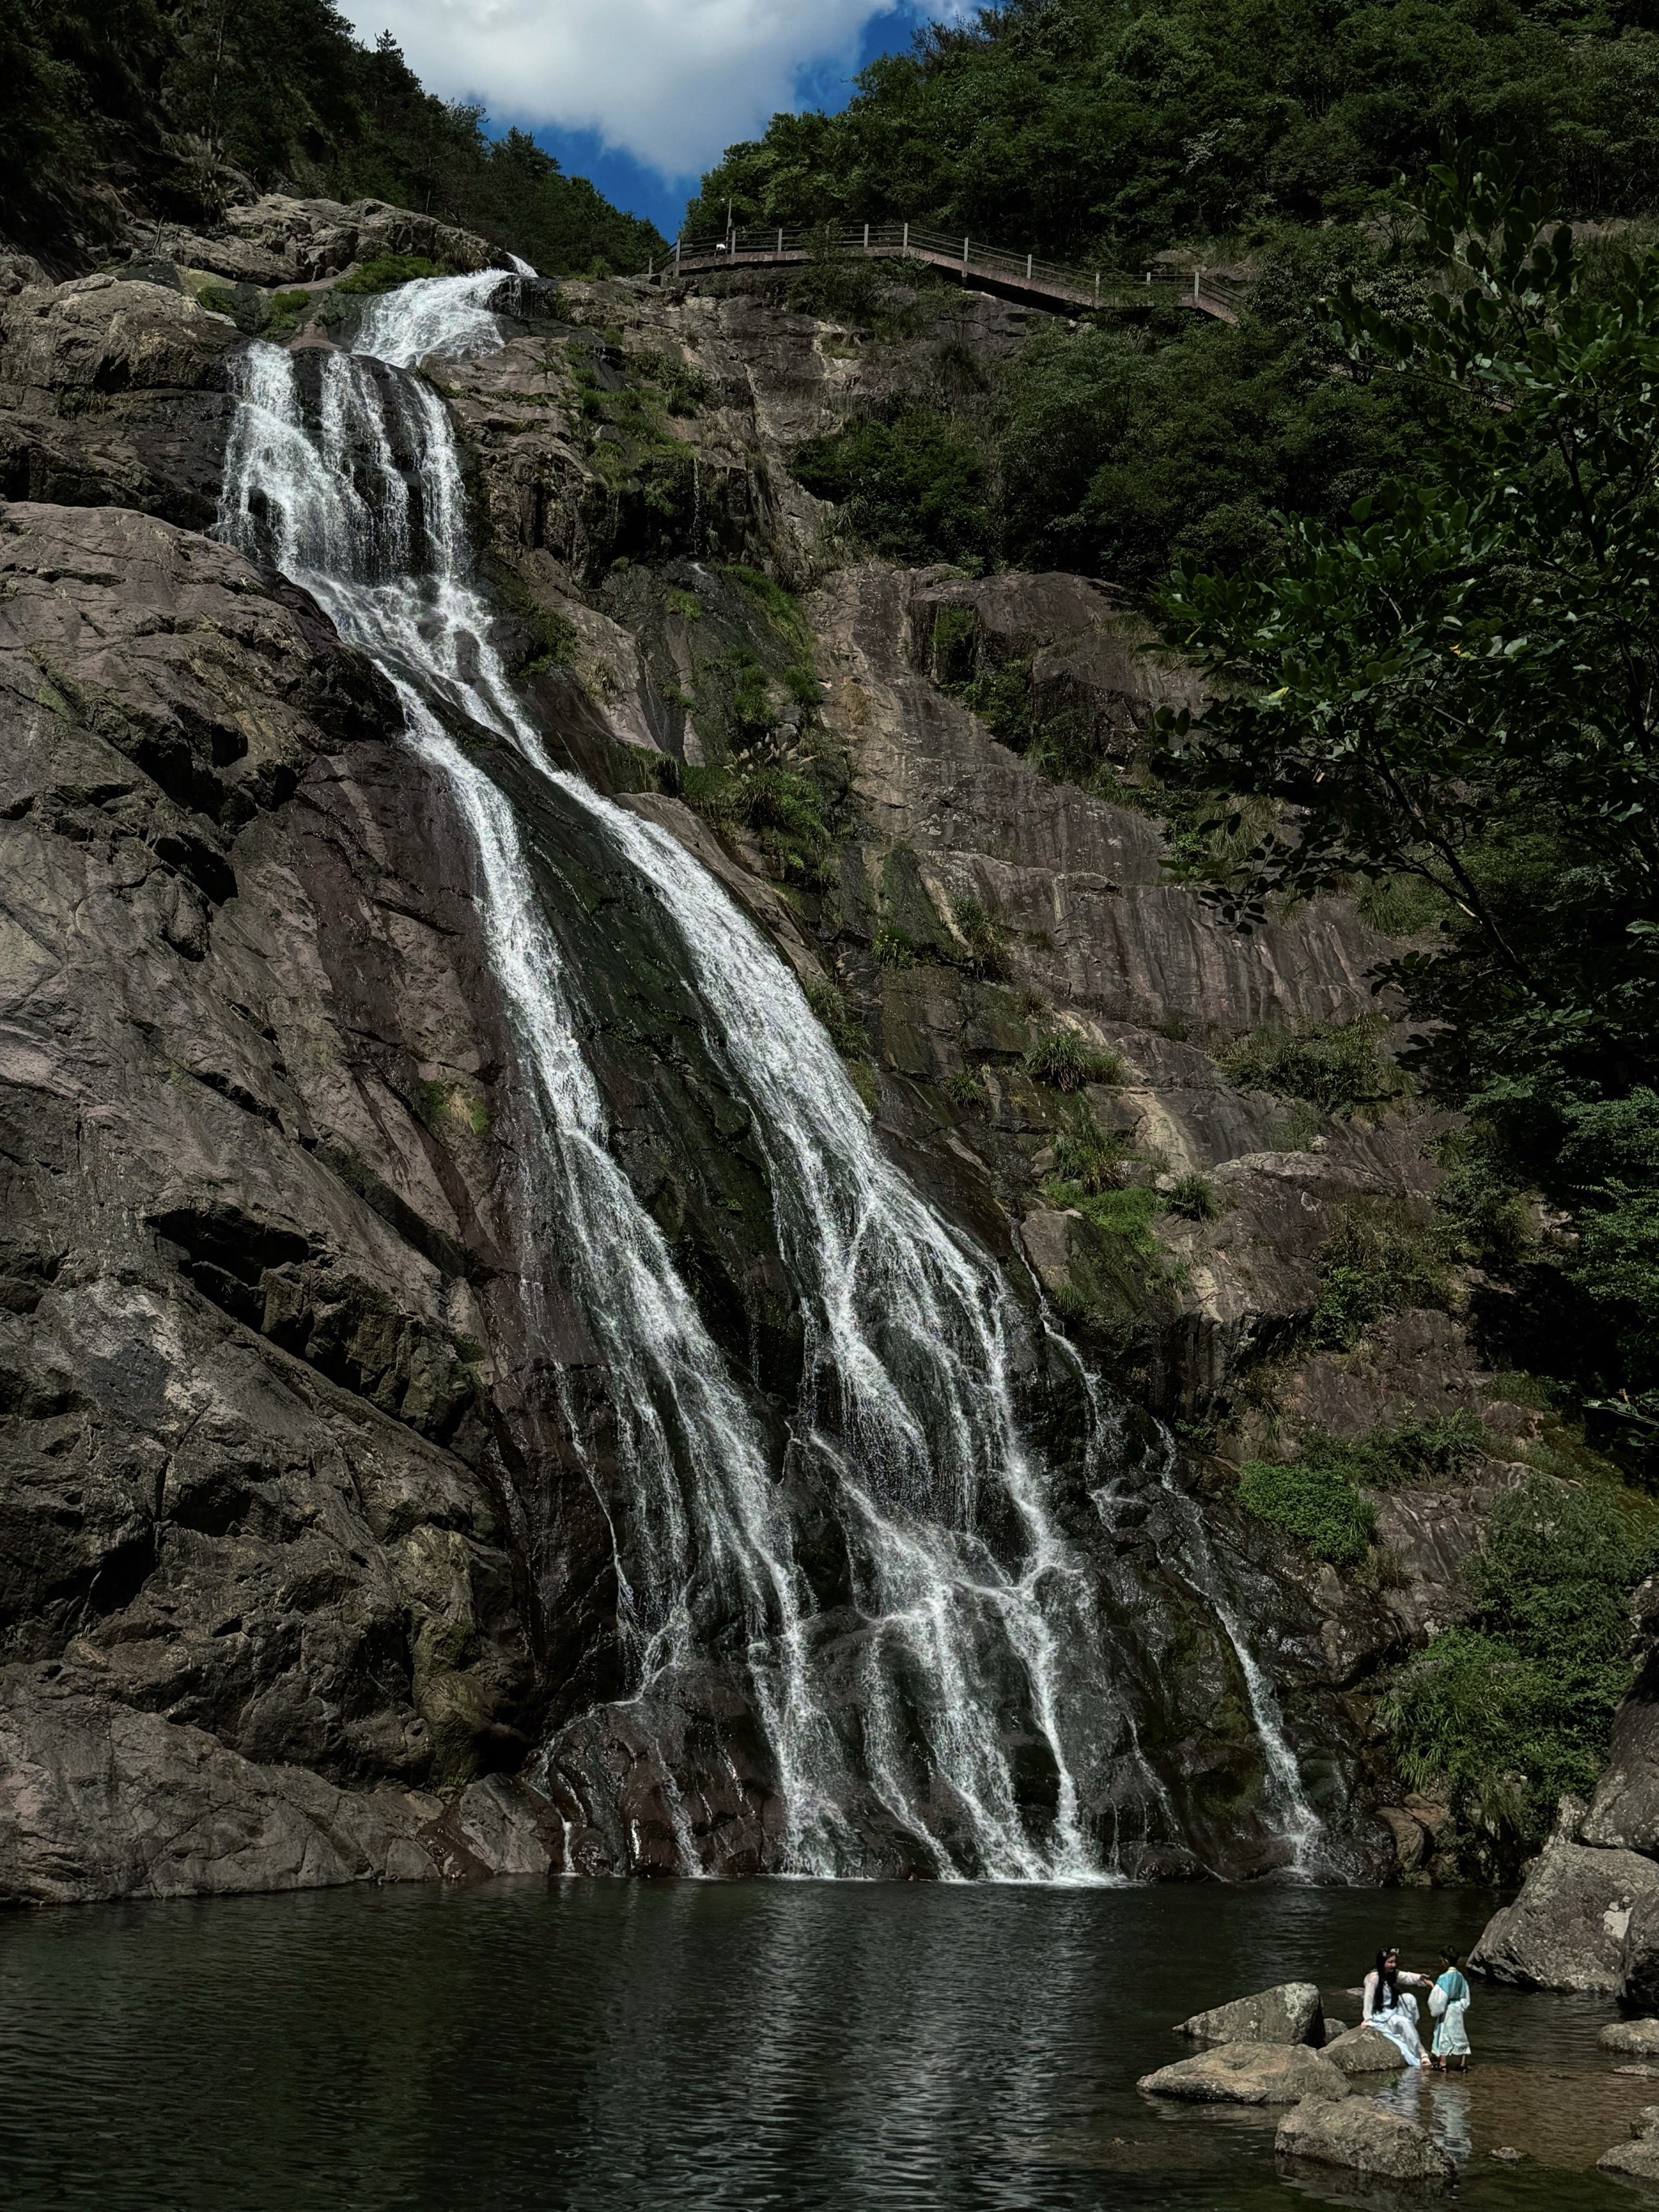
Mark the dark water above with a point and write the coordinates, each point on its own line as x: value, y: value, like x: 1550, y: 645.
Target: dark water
x: 610, y: 2045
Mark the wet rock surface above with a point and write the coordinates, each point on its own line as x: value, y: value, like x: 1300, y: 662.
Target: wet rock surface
x: 1362, y: 2136
x: 1638, y: 2159
x: 1249, y: 2073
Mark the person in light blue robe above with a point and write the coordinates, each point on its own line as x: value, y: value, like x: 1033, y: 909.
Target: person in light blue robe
x: 1449, y: 2000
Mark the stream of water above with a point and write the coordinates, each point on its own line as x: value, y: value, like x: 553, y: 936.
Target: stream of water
x: 955, y: 1688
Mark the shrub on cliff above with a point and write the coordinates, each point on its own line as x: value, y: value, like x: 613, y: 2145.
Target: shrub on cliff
x: 1514, y: 1706
x: 1322, y: 1495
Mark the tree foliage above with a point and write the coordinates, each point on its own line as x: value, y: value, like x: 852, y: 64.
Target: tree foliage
x: 1107, y: 127
x: 167, y: 101
x: 1459, y: 685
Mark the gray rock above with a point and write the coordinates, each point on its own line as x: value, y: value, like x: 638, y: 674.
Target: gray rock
x: 1567, y: 1929
x: 1360, y: 2135
x: 1289, y: 2013
x: 1335, y: 2029
x: 1249, y: 2073
x: 1637, y: 2158
x: 1365, y: 2051
x: 1623, y: 1814
x: 99, y: 1801
x: 1637, y: 2038
x: 1638, y: 1992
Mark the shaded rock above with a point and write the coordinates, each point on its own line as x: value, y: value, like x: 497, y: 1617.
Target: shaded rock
x: 499, y: 1826
x: 1289, y: 2013
x: 99, y: 1801
x: 1334, y: 2028
x: 1567, y: 1929
x: 1360, y: 2135
x: 1638, y: 2157
x: 1639, y: 1989
x: 1411, y: 1839
x: 1638, y: 2037
x: 1249, y: 2073
x: 1623, y: 1814
x: 1365, y: 2051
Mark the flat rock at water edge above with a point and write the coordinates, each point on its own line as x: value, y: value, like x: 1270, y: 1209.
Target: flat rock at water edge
x: 1249, y: 2073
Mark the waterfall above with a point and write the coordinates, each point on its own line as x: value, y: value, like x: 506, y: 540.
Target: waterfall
x: 942, y: 1678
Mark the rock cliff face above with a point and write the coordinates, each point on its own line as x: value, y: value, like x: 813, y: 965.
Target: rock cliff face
x: 301, y: 1559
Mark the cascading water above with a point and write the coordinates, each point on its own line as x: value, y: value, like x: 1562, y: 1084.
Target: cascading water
x: 941, y: 1675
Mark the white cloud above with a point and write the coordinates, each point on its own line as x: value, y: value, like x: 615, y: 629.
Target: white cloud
x: 672, y: 82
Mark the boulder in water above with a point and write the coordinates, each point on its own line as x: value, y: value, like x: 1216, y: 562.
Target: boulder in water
x: 1566, y: 1930
x: 1635, y: 2037
x: 1365, y: 2051
x: 1249, y: 2073
x: 1639, y: 2158
x: 1289, y: 2013
x: 1359, y: 2134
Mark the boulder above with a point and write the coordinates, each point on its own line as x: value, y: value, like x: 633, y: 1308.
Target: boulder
x: 1638, y: 2157
x: 307, y: 239
x: 1639, y: 1990
x: 1249, y: 2073
x: 1364, y: 2050
x: 103, y: 334
x: 1359, y: 2134
x: 1289, y: 2013
x: 1411, y: 1839
x: 1334, y: 2029
x: 1567, y: 1929
x: 1635, y: 2038
x: 1624, y: 1814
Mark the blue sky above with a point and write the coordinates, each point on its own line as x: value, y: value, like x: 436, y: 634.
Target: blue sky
x: 626, y: 180
x: 642, y: 95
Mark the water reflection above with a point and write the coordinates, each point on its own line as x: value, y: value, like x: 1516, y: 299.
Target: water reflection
x: 608, y: 2047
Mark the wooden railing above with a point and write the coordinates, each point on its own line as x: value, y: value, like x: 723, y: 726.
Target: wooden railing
x: 989, y: 268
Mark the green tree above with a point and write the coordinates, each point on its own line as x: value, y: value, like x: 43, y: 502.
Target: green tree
x: 1461, y: 686
x: 1110, y: 127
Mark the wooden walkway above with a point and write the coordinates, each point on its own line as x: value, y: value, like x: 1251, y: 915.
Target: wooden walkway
x: 1018, y: 277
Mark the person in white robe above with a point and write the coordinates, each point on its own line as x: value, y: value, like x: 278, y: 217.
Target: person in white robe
x: 1390, y: 2008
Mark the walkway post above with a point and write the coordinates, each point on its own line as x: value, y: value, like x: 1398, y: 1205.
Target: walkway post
x: 1097, y: 287
x: 1028, y: 268
x: 780, y: 241
x: 1195, y: 283
x: 677, y: 253
x: 964, y: 253
x: 906, y: 241
x: 866, y: 238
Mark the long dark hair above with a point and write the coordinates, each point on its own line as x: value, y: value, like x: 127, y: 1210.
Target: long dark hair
x: 1386, y: 1978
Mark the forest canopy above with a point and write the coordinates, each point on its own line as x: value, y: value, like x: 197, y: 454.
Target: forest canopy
x: 1111, y: 128
x: 167, y: 104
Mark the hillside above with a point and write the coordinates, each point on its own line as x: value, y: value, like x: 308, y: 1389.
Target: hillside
x: 1096, y: 130
x: 112, y: 114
